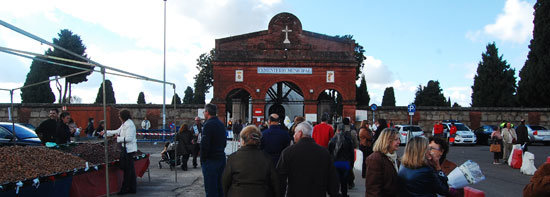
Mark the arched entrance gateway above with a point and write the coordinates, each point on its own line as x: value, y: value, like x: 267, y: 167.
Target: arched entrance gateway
x: 284, y: 70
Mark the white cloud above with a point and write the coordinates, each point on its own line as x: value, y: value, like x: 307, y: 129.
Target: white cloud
x: 515, y: 24
x: 460, y: 95
x: 376, y: 72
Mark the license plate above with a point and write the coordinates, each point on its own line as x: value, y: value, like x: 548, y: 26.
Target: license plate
x: 544, y: 133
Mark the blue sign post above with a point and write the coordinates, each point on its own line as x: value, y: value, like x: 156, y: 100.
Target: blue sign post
x: 411, y: 108
x: 373, y: 107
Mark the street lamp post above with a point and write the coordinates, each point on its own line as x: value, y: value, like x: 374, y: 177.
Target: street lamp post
x: 164, y: 76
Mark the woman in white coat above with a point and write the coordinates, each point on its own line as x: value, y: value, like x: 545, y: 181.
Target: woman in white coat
x: 126, y: 135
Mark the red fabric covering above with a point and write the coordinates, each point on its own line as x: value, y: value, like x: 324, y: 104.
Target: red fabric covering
x: 517, y: 159
x: 141, y: 166
x: 438, y: 129
x: 93, y: 182
x: 471, y: 192
x: 322, y: 134
x: 548, y: 159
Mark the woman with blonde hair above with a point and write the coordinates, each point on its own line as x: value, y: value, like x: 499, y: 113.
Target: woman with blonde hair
x: 420, y: 172
x: 381, y: 172
x: 250, y: 171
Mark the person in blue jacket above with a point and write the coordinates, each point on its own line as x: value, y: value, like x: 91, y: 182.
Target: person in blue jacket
x: 420, y: 173
x: 213, y: 142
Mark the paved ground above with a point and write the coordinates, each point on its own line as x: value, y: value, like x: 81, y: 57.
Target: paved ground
x: 501, y: 180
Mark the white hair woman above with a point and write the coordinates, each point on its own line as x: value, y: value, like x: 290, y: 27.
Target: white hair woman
x: 381, y: 173
x: 420, y: 172
x: 249, y: 171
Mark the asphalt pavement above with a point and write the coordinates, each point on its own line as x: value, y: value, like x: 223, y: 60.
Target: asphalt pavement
x: 501, y: 180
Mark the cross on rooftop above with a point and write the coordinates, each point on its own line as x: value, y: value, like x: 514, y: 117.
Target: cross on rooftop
x: 286, y: 30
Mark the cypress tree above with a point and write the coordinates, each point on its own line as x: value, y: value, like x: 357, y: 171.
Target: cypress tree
x: 141, y: 98
x: 389, y: 97
x: 176, y: 98
x: 41, y: 93
x: 494, y: 83
x: 109, y: 93
x: 430, y: 95
x: 362, y: 94
x: 188, y: 97
x: 534, y: 89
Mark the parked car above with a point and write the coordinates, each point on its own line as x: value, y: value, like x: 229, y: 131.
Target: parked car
x: 464, y: 134
x: 404, y: 130
x: 23, y: 135
x: 28, y: 125
x: 538, y: 134
x: 483, y: 134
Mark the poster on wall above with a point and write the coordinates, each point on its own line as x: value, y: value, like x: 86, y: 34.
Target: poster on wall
x: 200, y: 112
x: 239, y: 75
x: 311, y: 117
x: 330, y: 76
x: 361, y: 115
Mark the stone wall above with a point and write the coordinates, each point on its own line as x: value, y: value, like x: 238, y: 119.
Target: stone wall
x: 424, y: 116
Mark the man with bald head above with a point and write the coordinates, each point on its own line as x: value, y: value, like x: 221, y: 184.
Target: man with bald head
x: 196, y: 141
x: 275, y: 139
x: 307, y: 167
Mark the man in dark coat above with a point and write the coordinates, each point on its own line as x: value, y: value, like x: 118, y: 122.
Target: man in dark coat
x: 275, y: 139
x: 197, y: 132
x: 237, y: 127
x: 306, y: 167
x: 380, y: 125
x: 46, y: 129
x: 523, y: 136
x: 213, y: 142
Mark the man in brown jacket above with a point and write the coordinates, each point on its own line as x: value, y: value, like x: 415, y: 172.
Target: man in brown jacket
x: 539, y: 185
x: 307, y: 167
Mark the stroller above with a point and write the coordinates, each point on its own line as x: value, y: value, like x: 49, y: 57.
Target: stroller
x: 169, y: 156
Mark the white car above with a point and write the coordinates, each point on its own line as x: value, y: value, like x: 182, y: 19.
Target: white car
x: 464, y: 135
x: 404, y: 130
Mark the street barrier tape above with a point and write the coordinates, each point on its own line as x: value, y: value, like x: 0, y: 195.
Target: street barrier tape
x: 156, y: 134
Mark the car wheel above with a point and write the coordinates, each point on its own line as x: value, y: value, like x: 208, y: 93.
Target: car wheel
x: 546, y: 143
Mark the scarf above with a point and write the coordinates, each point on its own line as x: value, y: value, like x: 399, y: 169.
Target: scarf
x: 393, y: 159
x: 339, y: 143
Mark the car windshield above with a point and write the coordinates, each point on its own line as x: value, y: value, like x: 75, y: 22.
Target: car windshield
x: 536, y: 127
x: 461, y: 127
x: 21, y: 131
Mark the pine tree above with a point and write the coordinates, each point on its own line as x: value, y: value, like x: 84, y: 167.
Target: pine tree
x: 205, y: 78
x: 534, y: 89
x: 141, y: 98
x: 176, y: 98
x: 41, y: 93
x: 109, y: 93
x: 188, y: 97
x: 362, y: 94
x: 456, y: 105
x: 494, y: 83
x: 430, y: 95
x: 389, y: 97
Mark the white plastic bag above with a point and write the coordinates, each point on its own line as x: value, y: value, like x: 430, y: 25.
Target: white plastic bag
x: 528, y: 164
x: 516, y: 146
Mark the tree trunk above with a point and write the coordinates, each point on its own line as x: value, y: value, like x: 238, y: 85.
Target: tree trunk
x: 70, y: 91
x: 65, y: 92
x: 59, y: 87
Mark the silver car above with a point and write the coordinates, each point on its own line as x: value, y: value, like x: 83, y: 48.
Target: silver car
x: 538, y: 134
x: 404, y: 130
x: 464, y: 135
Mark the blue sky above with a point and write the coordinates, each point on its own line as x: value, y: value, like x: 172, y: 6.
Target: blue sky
x: 407, y: 43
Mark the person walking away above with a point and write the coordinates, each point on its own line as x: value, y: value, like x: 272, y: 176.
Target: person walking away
x: 323, y: 132
x: 307, y: 168
x: 184, y: 147
x: 126, y: 136
x: 349, y: 129
x: 380, y: 126
x: 237, y: 129
x: 292, y: 130
x: 365, y: 144
x: 340, y: 148
x: 90, y: 128
x: 420, y: 173
x: 213, y: 142
x: 539, y: 185
x: 496, y: 138
x: 197, y: 134
x: 47, y: 129
x: 523, y: 136
x: 249, y: 171
x: 382, y: 165
x: 509, y: 138
x: 145, y: 124
x: 275, y: 139
x: 452, y: 132
x: 63, y: 132
x: 438, y: 148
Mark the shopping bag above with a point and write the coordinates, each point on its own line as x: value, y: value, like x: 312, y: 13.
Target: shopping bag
x: 495, y: 148
x: 516, y: 159
x: 528, y: 164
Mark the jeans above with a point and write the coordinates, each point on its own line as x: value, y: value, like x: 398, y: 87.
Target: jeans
x: 343, y: 169
x: 212, y: 172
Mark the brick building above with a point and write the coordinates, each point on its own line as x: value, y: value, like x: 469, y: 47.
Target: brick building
x: 267, y: 71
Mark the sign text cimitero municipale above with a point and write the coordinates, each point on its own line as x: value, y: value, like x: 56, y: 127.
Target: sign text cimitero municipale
x: 284, y: 70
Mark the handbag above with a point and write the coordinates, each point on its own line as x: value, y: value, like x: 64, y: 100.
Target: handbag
x: 495, y: 148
